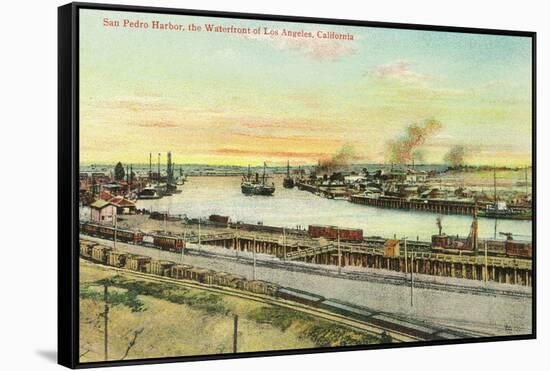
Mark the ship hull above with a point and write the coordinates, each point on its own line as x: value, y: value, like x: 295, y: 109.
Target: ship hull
x: 257, y: 190
x: 288, y: 183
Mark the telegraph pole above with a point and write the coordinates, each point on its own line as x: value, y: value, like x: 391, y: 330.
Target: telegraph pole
x: 106, y: 322
x: 237, y: 241
x: 254, y: 259
x: 199, y: 233
x: 412, y: 277
x: 184, y: 245
x: 405, y: 245
x: 284, y: 244
x: 339, y: 252
x: 114, y: 239
x: 486, y: 264
x: 235, y: 332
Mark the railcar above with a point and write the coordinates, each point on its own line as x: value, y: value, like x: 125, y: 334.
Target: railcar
x: 331, y: 233
x: 168, y: 243
x: 108, y: 232
x: 299, y: 296
x: 519, y: 249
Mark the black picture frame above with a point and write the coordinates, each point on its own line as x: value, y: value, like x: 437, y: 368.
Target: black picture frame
x: 68, y: 171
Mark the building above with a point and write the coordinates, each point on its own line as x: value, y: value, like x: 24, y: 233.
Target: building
x: 391, y: 248
x: 102, y: 211
x: 123, y: 205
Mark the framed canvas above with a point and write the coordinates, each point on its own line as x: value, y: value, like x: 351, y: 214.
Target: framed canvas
x: 239, y: 185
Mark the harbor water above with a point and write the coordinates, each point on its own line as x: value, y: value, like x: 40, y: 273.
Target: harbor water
x: 206, y: 195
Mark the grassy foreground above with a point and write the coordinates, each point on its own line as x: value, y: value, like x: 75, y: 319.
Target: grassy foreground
x: 152, y: 319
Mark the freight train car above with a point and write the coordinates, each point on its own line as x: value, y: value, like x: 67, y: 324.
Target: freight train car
x: 116, y: 259
x: 299, y: 296
x: 519, y: 249
x: 168, y: 243
x: 108, y: 232
x: 160, y: 267
x: 331, y: 233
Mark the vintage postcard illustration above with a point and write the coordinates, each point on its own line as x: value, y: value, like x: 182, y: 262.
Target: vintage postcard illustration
x: 255, y: 185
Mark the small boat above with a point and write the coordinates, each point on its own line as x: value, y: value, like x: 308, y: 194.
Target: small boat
x: 148, y: 193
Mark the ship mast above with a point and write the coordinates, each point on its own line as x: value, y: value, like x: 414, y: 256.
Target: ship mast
x: 495, y: 184
x: 288, y: 168
x: 263, y: 175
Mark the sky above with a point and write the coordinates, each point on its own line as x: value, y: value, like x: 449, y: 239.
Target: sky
x: 234, y: 99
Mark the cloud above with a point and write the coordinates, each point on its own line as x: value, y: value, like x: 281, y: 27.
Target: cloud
x: 400, y: 71
x: 282, y: 154
x: 160, y: 124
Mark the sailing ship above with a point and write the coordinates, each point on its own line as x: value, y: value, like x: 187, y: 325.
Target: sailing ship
x: 255, y: 185
x: 288, y: 182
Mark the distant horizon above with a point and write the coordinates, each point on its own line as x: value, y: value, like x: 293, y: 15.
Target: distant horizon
x: 177, y: 164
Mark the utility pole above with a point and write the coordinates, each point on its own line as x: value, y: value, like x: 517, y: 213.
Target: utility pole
x: 254, y: 259
x: 106, y: 322
x: 237, y: 241
x: 284, y: 244
x: 235, y: 332
x: 412, y: 277
x: 339, y: 251
x: 199, y: 233
x: 405, y: 245
x: 486, y: 265
x: 114, y: 237
x: 184, y: 245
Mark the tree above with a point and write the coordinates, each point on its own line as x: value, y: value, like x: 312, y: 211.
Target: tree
x: 119, y: 172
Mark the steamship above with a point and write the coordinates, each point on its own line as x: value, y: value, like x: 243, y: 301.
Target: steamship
x: 255, y: 185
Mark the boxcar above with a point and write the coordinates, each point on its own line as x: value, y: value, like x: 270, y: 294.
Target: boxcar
x: 168, y: 243
x: 108, y: 232
x: 519, y: 249
x: 331, y: 233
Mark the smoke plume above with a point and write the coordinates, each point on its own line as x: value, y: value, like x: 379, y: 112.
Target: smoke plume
x: 406, y: 148
x: 455, y: 156
x: 339, y: 160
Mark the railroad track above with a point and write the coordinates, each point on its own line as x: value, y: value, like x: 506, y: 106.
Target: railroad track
x: 369, y: 276
x: 316, y: 312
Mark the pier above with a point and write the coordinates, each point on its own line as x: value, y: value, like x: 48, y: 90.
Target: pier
x: 370, y: 254
x: 431, y: 205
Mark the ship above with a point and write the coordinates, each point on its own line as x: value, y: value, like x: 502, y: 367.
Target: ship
x: 148, y: 193
x: 256, y: 186
x: 500, y: 209
x: 288, y: 182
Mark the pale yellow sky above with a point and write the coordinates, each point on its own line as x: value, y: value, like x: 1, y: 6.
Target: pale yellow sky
x: 229, y: 99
